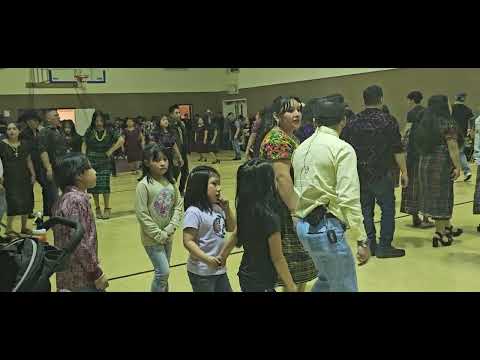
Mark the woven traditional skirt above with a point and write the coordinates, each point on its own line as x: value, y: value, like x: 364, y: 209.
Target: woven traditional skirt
x: 410, y: 194
x: 476, y: 197
x: 300, y: 264
x: 102, y: 165
x: 436, y: 184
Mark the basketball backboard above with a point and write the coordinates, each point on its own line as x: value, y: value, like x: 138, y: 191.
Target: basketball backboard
x: 67, y: 75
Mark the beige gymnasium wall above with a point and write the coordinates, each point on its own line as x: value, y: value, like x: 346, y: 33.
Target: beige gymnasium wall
x: 127, y: 92
x: 396, y: 83
x: 149, y: 91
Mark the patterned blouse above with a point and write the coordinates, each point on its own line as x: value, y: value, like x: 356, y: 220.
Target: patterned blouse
x: 84, y: 267
x: 277, y: 145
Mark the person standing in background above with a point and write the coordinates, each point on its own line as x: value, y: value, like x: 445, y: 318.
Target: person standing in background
x: 439, y: 166
x: 51, y: 146
x: 99, y: 143
x: 221, y: 128
x: 375, y: 136
x: 182, y: 142
x: 188, y: 129
x: 134, y: 144
x: 235, y: 132
x: 227, y: 133
x: 463, y: 116
x: 3, y: 199
x: 410, y: 194
x: 19, y: 178
x: 30, y: 134
x: 72, y: 139
x: 212, y: 136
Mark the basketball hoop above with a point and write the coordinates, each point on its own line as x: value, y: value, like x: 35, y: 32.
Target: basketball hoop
x: 81, y: 81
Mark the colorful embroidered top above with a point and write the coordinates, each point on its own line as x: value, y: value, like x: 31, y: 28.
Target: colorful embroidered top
x: 278, y: 145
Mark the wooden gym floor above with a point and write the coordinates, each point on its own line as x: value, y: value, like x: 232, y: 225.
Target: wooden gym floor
x: 455, y: 268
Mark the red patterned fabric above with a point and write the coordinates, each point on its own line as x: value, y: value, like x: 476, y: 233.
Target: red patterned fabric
x: 84, y: 267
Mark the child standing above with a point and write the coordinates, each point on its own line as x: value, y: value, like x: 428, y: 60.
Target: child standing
x: 158, y: 206
x: 74, y: 176
x: 259, y: 230
x: 207, y: 218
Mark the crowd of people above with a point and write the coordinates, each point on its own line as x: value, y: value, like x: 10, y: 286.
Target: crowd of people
x: 319, y: 169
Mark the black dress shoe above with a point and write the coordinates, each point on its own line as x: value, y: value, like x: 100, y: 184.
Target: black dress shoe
x: 456, y: 233
x: 389, y: 252
x: 373, y: 247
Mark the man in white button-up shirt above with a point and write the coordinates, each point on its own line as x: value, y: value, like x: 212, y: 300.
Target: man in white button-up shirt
x: 327, y: 185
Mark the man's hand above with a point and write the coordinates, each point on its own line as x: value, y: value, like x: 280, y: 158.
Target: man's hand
x: 404, y: 180
x: 363, y: 255
x: 50, y: 174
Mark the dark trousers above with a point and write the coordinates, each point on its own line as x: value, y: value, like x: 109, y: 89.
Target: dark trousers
x: 184, y: 171
x: 49, y: 189
x: 382, y: 193
x: 114, y: 166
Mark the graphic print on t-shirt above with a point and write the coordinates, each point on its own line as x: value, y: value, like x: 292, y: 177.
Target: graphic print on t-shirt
x: 164, y: 202
x: 219, y: 226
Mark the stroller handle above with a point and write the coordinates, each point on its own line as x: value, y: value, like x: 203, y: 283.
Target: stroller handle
x: 77, y: 236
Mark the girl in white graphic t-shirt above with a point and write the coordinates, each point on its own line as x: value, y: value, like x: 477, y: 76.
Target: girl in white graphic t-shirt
x: 207, y: 219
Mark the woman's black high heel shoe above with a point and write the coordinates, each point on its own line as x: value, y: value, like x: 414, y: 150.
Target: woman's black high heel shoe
x: 436, y: 240
x: 455, y: 233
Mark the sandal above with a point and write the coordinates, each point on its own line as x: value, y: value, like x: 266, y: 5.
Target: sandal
x: 99, y: 213
x: 449, y: 231
x: 107, y: 213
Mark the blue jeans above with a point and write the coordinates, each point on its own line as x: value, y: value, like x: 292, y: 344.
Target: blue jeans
x: 160, y: 257
x: 213, y: 283
x: 333, y: 261
x: 382, y: 192
x: 464, y: 162
x: 236, y: 148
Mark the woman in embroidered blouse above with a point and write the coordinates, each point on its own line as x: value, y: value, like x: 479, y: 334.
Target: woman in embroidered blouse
x: 278, y: 145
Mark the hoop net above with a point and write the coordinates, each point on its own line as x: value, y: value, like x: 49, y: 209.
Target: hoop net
x: 81, y: 81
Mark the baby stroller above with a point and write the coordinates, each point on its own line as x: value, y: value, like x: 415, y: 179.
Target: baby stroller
x: 26, y: 263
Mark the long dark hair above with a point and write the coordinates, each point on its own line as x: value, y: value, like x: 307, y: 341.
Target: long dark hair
x: 256, y: 204
x: 96, y: 114
x: 153, y: 152
x: 267, y: 123
x: 428, y: 134
x: 72, y: 126
x: 197, y: 186
x: 271, y: 116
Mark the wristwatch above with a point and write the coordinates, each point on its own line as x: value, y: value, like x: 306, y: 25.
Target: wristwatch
x: 362, y: 243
